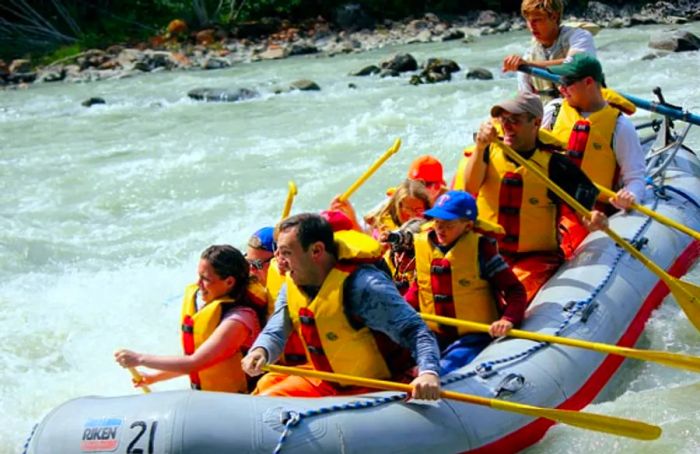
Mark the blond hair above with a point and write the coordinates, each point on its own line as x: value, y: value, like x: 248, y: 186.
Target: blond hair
x: 549, y: 7
x: 409, y: 188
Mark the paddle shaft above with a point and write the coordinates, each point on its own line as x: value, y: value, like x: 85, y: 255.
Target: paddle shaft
x: 591, y: 421
x: 663, y: 109
x: 368, y: 173
x: 290, y: 199
x: 668, y: 359
x: 653, y: 214
x: 682, y: 291
x: 137, y: 377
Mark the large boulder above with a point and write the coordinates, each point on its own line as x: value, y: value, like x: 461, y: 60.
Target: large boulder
x: 674, y: 41
x: 479, y: 74
x: 221, y: 95
x: 304, y: 85
x: 400, y: 63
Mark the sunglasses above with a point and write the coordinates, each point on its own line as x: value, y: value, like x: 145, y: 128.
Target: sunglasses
x: 565, y: 81
x: 513, y: 120
x: 258, y: 264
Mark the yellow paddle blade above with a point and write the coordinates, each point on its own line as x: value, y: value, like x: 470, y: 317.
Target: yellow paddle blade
x: 373, y: 168
x: 676, y: 360
x: 687, y: 295
x: 591, y: 421
x: 291, y: 193
x: 654, y: 215
x: 136, y: 376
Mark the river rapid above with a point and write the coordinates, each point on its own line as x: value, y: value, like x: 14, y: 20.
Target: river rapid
x: 105, y: 210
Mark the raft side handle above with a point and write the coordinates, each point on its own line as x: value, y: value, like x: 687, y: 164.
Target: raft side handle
x: 510, y: 385
x: 588, y: 311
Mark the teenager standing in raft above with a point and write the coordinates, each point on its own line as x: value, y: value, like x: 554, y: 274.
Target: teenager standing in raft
x: 336, y: 304
x: 221, y: 316
x: 461, y: 275
x: 551, y: 44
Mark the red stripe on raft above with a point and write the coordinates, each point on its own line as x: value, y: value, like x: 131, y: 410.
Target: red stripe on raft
x: 533, y: 432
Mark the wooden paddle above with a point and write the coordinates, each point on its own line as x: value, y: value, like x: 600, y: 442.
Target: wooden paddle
x: 137, y: 378
x: 654, y: 215
x: 591, y: 421
x: 291, y: 193
x: 368, y: 173
x: 667, y: 359
x: 686, y: 294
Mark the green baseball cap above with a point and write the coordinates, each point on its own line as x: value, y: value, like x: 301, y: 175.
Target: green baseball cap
x: 579, y: 66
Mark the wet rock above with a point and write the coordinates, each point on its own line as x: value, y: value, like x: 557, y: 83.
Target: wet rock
x: 655, y: 55
x: 400, y: 63
x: 675, y: 41
x: 92, y: 101
x: 441, y: 65
x: 479, y: 74
x: 52, y: 74
x: 21, y: 78
x: 488, y: 18
x: 389, y: 73
x: 302, y: 48
x: 351, y: 85
x: 367, y: 71
x: 452, y: 34
x: 215, y: 63
x: 221, y: 95
x: 416, y: 80
x: 642, y: 19
x: 273, y: 53
x: 425, y: 36
x: 305, y: 85
x: 600, y: 12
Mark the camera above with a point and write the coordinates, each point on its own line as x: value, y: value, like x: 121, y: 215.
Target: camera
x: 400, y: 238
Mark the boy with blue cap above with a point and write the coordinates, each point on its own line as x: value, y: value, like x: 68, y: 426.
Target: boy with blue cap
x: 460, y: 274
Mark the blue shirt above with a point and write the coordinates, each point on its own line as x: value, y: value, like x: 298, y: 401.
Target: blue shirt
x: 373, y: 298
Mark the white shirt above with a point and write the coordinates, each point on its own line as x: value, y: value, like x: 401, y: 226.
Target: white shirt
x: 628, y: 151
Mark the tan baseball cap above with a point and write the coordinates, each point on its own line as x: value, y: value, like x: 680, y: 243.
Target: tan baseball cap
x: 523, y: 103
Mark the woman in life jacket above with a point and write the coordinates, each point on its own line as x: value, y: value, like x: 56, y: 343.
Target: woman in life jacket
x: 407, y: 202
x: 221, y: 317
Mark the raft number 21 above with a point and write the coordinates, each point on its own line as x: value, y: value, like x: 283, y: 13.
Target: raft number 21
x: 142, y: 427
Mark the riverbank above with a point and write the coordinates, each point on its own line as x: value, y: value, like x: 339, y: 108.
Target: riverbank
x: 180, y: 49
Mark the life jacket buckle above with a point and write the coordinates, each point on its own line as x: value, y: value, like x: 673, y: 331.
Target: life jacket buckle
x: 315, y: 350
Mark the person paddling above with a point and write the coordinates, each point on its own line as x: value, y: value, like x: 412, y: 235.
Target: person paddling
x: 337, y: 304
x: 518, y: 200
x: 600, y: 139
x: 221, y: 316
x: 460, y: 274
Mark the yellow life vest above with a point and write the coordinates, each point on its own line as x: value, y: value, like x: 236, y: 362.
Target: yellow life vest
x: 274, y: 280
x: 518, y: 200
x: 597, y: 159
x: 451, y: 284
x: 332, y: 343
x: 459, y: 182
x: 224, y: 376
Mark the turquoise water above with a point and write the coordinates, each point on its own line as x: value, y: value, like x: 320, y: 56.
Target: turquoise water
x: 104, y: 211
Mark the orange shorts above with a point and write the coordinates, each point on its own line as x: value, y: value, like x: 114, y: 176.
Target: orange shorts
x: 282, y: 385
x: 533, y: 270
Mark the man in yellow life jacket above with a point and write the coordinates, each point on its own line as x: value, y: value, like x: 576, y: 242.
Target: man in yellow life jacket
x: 460, y: 274
x: 552, y: 42
x: 518, y: 200
x: 336, y: 304
x: 600, y: 139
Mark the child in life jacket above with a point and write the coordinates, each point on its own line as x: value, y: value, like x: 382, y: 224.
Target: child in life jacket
x: 460, y: 274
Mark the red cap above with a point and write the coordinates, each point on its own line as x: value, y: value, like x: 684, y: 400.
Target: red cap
x: 337, y: 219
x: 426, y: 168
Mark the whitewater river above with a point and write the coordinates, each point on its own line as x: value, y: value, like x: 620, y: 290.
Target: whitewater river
x: 104, y: 211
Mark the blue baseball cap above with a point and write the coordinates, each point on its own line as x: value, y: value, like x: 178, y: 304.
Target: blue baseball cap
x: 453, y: 205
x: 264, y: 239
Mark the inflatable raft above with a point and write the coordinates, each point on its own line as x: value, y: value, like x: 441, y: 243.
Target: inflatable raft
x: 602, y: 295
